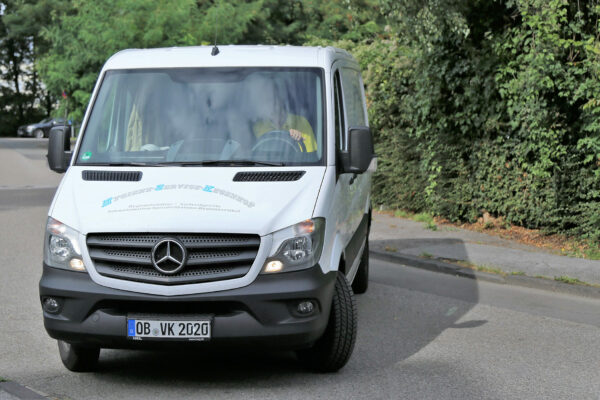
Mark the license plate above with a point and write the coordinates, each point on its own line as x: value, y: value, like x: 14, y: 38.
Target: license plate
x: 138, y: 329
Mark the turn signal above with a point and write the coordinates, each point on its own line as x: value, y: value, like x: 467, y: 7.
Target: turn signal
x: 77, y: 264
x: 274, y: 266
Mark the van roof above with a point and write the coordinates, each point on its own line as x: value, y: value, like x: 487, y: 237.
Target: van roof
x: 229, y: 56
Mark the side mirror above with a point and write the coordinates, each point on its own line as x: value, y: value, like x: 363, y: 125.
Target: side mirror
x: 59, y: 149
x: 357, y: 158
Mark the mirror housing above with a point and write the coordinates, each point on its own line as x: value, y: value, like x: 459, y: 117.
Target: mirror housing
x: 59, y: 149
x: 357, y: 158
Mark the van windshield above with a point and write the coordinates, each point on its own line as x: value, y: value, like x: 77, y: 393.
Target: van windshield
x: 206, y: 116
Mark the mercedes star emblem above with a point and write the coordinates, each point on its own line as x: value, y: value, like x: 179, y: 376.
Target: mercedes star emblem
x: 169, y: 256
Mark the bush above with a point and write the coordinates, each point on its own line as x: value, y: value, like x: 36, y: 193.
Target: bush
x: 490, y: 106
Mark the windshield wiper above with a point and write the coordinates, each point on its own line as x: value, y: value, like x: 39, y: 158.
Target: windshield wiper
x: 123, y: 164
x: 224, y: 162
x: 242, y: 162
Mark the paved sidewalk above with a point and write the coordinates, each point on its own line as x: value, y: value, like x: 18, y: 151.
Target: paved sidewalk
x: 410, y: 242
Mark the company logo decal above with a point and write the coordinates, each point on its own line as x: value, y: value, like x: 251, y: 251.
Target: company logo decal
x: 163, y: 187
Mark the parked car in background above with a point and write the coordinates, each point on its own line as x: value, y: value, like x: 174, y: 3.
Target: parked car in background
x: 42, y: 128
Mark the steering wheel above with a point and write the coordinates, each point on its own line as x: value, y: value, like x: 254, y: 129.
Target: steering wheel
x: 282, y: 137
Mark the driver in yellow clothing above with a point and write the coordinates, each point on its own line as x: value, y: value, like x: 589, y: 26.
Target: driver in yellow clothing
x: 280, y: 120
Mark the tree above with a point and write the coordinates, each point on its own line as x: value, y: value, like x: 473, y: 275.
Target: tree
x: 24, y: 20
x: 19, y: 83
x: 84, y: 36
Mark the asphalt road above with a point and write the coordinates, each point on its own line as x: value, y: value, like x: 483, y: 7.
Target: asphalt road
x: 421, y: 335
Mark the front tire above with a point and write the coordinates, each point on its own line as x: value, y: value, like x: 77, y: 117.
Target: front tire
x: 332, y: 351
x: 38, y: 134
x: 77, y: 358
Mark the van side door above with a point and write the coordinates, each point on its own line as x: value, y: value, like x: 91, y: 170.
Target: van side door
x: 356, y: 116
x: 352, y: 191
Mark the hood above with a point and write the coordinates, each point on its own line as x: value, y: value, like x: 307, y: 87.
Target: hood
x: 185, y: 199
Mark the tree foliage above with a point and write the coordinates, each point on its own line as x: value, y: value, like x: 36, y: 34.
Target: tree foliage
x: 86, y: 34
x: 500, y: 112
x: 23, y: 97
x: 83, y: 35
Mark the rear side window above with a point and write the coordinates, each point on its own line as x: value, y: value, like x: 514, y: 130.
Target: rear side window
x: 353, y: 97
x: 340, y: 133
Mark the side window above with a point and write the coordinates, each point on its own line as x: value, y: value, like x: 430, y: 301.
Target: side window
x: 353, y: 97
x: 340, y: 136
x: 105, y: 123
x: 113, y: 122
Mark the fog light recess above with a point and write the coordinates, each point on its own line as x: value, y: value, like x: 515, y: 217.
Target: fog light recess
x: 51, y: 305
x: 305, y: 307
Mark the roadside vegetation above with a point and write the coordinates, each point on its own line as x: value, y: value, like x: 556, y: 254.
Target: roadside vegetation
x: 477, y: 107
x: 569, y: 280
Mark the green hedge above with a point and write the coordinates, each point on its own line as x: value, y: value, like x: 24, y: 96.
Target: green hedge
x: 491, y: 106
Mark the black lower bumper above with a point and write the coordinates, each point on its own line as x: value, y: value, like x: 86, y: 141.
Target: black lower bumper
x: 262, y: 313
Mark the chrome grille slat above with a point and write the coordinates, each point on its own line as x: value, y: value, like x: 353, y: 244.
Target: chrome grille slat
x: 130, y: 256
x: 202, y: 258
x: 187, y: 276
x: 194, y: 258
x: 190, y: 242
x: 211, y: 257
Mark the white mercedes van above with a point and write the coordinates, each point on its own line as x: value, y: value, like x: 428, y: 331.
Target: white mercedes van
x: 212, y: 198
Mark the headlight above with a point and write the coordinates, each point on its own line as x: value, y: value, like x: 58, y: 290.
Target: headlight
x: 296, y: 247
x: 29, y: 128
x: 61, y: 247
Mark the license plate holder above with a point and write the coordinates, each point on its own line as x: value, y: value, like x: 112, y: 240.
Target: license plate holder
x: 169, y: 327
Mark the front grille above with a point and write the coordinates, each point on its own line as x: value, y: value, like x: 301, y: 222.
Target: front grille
x: 211, y: 257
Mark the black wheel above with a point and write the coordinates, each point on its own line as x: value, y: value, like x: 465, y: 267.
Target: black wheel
x: 361, y: 280
x: 332, y: 351
x: 77, y: 358
x: 38, y: 134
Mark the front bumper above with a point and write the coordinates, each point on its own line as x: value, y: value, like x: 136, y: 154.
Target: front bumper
x: 262, y: 313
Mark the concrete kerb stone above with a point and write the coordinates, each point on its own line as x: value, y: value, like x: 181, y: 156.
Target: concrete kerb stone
x: 456, y: 270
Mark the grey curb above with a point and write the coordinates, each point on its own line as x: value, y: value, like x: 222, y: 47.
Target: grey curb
x: 20, y: 391
x: 456, y: 270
